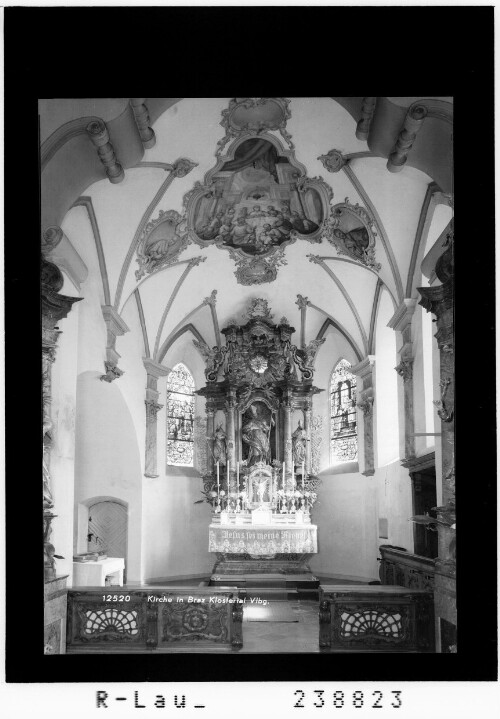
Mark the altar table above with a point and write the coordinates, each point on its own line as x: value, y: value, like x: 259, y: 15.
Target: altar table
x: 263, y: 540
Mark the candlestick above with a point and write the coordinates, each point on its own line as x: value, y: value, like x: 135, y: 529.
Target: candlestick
x: 283, y: 476
x: 303, y: 475
x: 238, y: 477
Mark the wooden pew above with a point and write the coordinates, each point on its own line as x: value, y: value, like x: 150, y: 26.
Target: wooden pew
x: 159, y: 619
x: 375, y: 618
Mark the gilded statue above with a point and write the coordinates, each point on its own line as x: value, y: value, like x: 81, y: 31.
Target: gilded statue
x: 220, y: 445
x: 299, y: 445
x: 255, y: 435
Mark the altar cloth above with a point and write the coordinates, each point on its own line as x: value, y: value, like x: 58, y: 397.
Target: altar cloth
x: 263, y: 540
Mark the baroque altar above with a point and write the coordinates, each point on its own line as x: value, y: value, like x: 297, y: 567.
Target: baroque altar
x: 260, y: 485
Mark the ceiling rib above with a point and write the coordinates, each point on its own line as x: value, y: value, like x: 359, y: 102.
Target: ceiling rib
x: 142, y: 320
x: 86, y: 202
x: 380, y: 228
x: 169, y: 304
x: 347, y: 297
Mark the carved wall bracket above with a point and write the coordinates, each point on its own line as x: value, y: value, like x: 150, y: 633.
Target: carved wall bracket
x: 112, y: 372
x: 98, y: 133
x: 367, y: 112
x: 412, y: 124
x: 405, y: 369
x: 142, y: 121
x: 366, y: 405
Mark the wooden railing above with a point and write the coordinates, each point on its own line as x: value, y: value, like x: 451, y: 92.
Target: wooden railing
x: 169, y: 619
x: 403, y: 569
x: 372, y: 618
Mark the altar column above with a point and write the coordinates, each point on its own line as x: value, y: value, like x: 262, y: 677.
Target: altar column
x: 287, y: 430
x: 230, y: 435
x: 210, y: 436
x: 364, y: 370
x: 439, y: 300
x: 307, y: 427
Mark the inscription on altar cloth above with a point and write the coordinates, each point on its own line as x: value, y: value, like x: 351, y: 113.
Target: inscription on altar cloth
x: 281, y: 534
x: 265, y: 541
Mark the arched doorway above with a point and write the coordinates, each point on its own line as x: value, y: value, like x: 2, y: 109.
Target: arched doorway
x: 108, y: 528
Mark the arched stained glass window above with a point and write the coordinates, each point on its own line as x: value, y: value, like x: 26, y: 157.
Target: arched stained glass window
x: 343, y: 431
x: 180, y: 416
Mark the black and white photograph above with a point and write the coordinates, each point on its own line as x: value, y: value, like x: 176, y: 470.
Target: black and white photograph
x: 248, y: 374
x: 250, y: 315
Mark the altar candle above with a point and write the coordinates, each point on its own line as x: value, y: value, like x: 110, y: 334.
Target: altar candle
x: 217, y: 476
x: 238, y: 477
x: 283, y: 475
x: 303, y: 475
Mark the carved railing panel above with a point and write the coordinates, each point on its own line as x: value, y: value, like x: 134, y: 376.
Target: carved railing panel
x: 368, y: 618
x: 406, y: 570
x: 140, y: 620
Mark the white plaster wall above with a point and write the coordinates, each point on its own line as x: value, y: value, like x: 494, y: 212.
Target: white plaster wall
x: 107, y: 456
x: 175, y: 529
x: 62, y: 456
x: 386, y: 424
x: 394, y: 503
x: 346, y: 517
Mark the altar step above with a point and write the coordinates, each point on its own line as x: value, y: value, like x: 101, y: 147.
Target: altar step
x: 270, y: 586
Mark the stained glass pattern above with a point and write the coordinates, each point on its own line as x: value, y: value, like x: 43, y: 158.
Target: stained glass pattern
x: 180, y: 417
x: 343, y: 431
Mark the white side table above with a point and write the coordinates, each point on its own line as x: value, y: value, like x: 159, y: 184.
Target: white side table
x: 93, y: 574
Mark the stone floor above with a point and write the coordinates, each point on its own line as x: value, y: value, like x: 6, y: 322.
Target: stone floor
x: 274, y: 637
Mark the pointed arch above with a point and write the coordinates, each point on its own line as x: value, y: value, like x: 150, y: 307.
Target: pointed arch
x: 171, y: 339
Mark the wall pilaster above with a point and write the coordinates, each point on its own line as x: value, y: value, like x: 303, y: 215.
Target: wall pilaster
x: 400, y: 322
x: 154, y: 372
x: 365, y: 399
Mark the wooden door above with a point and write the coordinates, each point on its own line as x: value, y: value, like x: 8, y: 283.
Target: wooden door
x: 107, y: 529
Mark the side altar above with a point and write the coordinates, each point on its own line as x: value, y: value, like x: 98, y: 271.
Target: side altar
x: 259, y: 396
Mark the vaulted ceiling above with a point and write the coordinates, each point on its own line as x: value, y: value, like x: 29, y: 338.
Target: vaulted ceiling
x: 393, y: 159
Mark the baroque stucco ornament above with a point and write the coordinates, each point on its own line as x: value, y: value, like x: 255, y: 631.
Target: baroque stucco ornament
x: 351, y: 230
x: 254, y: 115
x: 333, y: 161
x: 254, y: 202
x: 162, y: 241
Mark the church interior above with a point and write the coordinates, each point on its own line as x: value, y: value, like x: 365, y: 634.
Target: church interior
x: 248, y: 375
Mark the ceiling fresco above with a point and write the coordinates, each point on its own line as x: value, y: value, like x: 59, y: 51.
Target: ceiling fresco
x: 256, y: 200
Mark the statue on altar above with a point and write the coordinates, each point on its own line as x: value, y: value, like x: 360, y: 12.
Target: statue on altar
x: 220, y: 445
x: 299, y: 445
x: 260, y: 488
x: 255, y: 434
